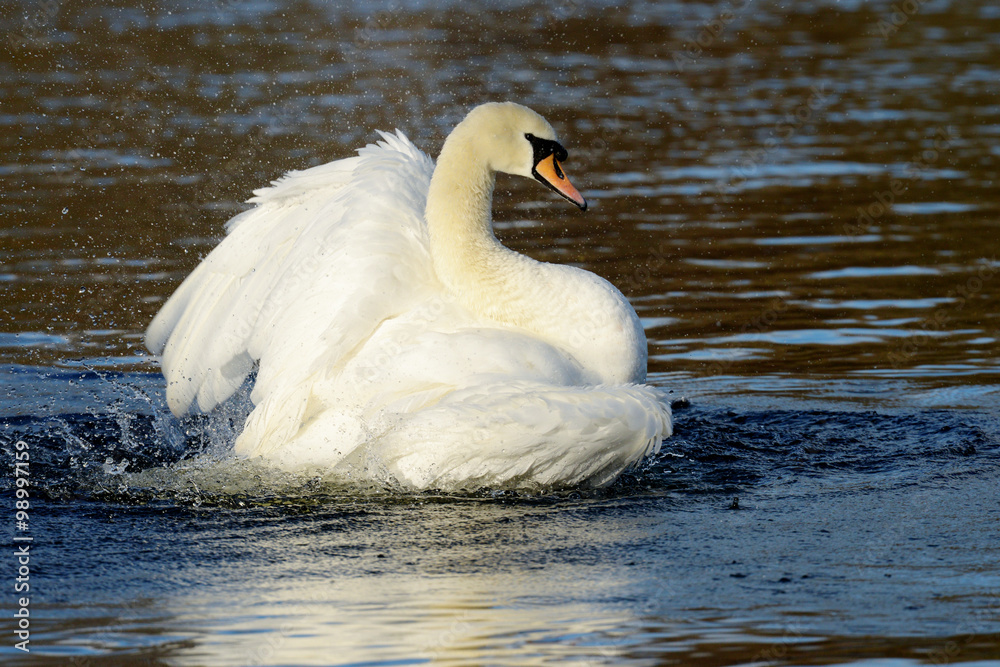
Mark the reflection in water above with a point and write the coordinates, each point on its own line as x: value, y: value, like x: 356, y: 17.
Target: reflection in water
x: 648, y: 572
x: 799, y: 199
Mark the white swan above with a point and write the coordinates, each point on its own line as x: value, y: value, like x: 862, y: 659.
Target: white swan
x: 394, y: 335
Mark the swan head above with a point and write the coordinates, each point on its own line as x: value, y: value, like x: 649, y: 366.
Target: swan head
x: 516, y: 140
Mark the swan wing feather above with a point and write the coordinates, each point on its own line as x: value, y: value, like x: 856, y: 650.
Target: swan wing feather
x: 325, y: 254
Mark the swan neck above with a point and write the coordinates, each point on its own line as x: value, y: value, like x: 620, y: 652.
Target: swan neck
x: 459, y: 214
x: 567, y: 307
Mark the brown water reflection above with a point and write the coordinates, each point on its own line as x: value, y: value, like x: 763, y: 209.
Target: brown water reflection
x: 474, y: 633
x: 782, y: 192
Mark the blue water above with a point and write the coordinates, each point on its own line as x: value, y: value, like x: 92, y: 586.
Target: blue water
x: 790, y: 532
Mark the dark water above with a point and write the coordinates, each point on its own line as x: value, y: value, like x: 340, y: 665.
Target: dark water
x: 798, y: 198
x: 857, y: 534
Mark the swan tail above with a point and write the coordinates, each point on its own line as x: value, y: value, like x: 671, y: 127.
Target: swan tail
x: 513, y: 437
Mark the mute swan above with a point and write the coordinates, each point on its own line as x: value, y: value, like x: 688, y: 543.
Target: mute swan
x: 395, y: 337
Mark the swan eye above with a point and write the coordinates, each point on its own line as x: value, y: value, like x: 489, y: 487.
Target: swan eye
x: 543, y: 148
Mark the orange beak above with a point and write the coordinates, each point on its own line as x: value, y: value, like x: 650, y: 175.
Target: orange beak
x: 549, y: 171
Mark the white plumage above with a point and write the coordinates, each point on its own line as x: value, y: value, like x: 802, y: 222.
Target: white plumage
x: 393, y: 335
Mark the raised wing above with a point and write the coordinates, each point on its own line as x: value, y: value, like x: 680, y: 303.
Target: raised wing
x: 325, y: 256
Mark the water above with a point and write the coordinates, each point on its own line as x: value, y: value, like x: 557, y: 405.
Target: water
x: 797, y: 198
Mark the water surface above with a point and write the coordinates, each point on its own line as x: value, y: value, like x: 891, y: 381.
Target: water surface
x: 799, y: 200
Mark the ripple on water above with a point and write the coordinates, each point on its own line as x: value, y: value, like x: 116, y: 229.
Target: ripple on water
x: 873, y: 272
